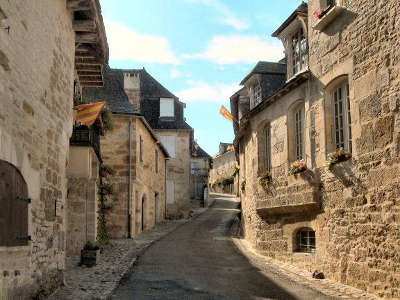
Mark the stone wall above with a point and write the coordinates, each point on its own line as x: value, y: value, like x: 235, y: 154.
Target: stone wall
x: 198, y: 180
x: 149, y: 183
x: 144, y: 181
x: 82, y: 199
x: 36, y: 85
x: 178, y: 172
x: 358, y: 220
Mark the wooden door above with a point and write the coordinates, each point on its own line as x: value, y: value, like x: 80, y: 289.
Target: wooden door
x: 13, y: 206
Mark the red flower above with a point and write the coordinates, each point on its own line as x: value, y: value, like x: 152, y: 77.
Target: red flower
x: 317, y: 14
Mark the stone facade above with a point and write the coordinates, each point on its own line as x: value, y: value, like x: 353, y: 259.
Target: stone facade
x: 353, y: 208
x: 223, y: 166
x: 139, y: 191
x: 36, y: 80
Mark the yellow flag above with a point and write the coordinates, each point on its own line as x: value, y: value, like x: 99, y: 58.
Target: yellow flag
x: 88, y: 113
x: 225, y: 112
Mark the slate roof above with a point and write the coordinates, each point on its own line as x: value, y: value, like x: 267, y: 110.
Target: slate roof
x: 198, y: 152
x: 264, y: 67
x: 302, y: 9
x: 150, y: 93
x: 112, y: 92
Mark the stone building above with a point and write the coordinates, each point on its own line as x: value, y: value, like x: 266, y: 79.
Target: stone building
x: 164, y: 113
x: 223, y: 172
x: 134, y: 151
x: 43, y: 45
x: 199, y: 171
x: 340, y: 215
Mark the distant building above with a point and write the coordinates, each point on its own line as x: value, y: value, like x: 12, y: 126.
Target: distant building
x: 199, y: 171
x: 223, y: 170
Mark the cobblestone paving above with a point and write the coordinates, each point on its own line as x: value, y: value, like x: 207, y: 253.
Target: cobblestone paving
x: 117, y: 259
x: 325, y: 286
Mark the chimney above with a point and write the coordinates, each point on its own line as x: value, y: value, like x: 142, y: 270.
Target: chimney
x: 132, y: 88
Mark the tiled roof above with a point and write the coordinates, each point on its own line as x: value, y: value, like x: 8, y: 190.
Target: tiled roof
x: 112, y: 92
x: 199, y: 152
x: 302, y: 9
x: 264, y: 67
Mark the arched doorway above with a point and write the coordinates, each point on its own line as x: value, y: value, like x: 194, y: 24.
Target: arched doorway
x: 14, y: 206
x: 144, y: 210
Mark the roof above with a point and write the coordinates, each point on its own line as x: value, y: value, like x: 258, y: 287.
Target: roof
x: 264, y: 67
x: 302, y: 9
x: 223, y: 148
x: 198, y: 152
x: 112, y: 92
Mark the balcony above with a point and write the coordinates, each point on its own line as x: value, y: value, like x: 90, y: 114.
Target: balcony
x: 301, y: 196
x: 84, y: 136
x: 328, y: 17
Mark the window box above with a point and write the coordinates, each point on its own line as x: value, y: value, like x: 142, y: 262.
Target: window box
x: 336, y: 157
x: 298, y: 166
x: 326, y: 17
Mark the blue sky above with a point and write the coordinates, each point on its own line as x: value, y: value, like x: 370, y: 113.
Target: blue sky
x: 198, y: 49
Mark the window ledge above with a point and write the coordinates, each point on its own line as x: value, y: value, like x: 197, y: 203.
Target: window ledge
x: 331, y: 15
x: 264, y: 209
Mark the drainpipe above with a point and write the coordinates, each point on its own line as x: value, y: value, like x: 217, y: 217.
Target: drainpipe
x: 129, y: 180
x: 165, y: 189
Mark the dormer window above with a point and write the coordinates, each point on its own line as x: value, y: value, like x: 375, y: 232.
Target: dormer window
x: 166, y: 107
x: 255, y: 95
x: 299, y: 51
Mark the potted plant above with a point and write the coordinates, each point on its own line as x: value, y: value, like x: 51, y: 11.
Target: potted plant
x: 108, y: 121
x: 90, y: 254
x: 336, y: 157
x: 228, y: 180
x: 297, y: 167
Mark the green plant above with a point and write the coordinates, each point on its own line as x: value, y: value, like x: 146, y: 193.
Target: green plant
x: 297, y: 167
x: 264, y: 178
x: 107, y: 118
x: 228, y: 180
x: 106, y: 189
x: 103, y: 237
x: 106, y: 170
x: 243, y: 185
x: 338, y: 156
x: 78, y: 100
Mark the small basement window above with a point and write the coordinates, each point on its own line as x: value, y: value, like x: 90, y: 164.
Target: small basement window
x: 305, y: 239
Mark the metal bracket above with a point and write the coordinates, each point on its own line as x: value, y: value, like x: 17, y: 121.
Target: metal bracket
x: 28, y: 200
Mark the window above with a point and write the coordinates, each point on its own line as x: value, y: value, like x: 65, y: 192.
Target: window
x: 169, y: 143
x: 156, y: 159
x: 299, y: 51
x: 305, y: 239
x: 342, y: 117
x: 166, y: 107
x: 14, y: 207
x: 299, y: 133
x: 141, y: 149
x: 195, y: 168
x: 268, y: 148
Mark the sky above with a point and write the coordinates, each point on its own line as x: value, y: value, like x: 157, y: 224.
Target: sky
x: 200, y: 50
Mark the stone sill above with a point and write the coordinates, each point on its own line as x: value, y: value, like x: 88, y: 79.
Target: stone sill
x: 265, y: 210
x: 331, y: 15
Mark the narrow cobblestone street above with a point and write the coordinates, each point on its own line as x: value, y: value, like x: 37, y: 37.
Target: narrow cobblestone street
x: 199, y: 261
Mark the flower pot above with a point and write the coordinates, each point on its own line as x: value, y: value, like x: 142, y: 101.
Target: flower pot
x: 90, y: 258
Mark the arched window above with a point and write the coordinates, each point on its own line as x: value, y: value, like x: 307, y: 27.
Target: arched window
x: 13, y: 206
x: 305, y: 240
x: 342, y: 117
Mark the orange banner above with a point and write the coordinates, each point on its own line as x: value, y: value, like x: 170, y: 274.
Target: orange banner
x: 225, y: 112
x: 88, y: 113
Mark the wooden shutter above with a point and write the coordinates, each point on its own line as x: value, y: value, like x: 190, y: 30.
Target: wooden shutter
x: 14, y: 206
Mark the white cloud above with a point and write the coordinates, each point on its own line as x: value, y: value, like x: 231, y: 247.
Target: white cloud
x: 201, y: 91
x: 227, y: 16
x: 175, y: 73
x: 126, y: 44
x: 239, y: 49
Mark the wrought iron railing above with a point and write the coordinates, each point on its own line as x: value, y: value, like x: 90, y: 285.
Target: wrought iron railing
x: 86, y: 136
